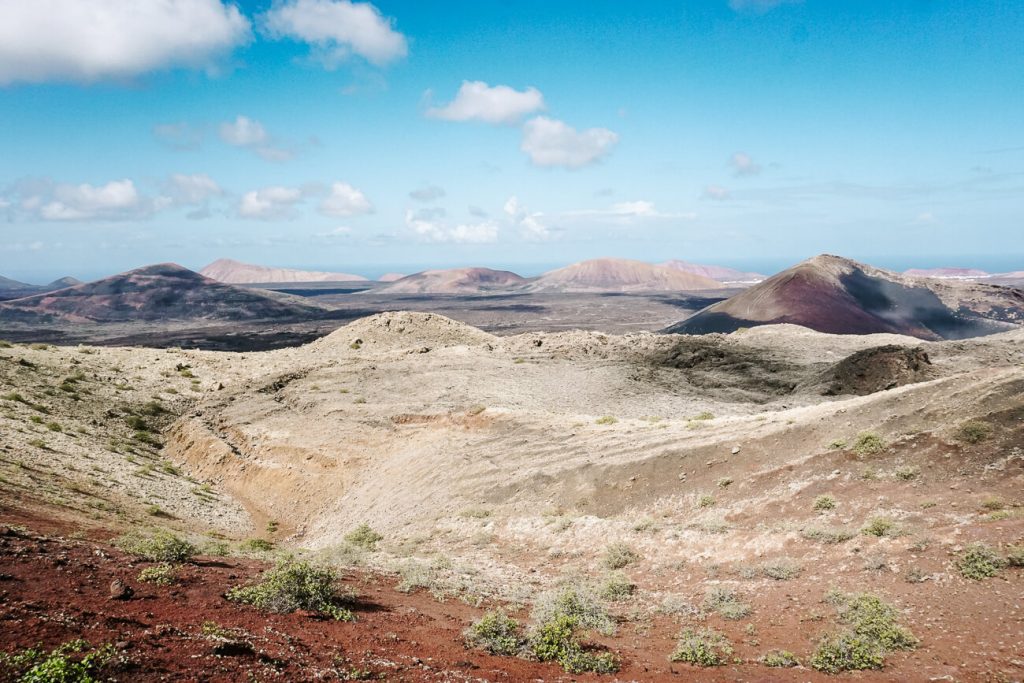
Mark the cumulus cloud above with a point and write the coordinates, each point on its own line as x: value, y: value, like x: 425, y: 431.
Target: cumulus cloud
x: 425, y: 225
x: 477, y: 101
x: 90, y: 40
x: 345, y: 200
x: 250, y: 134
x: 759, y: 6
x: 270, y: 203
x: 427, y: 194
x: 716, y: 192
x: 743, y: 165
x: 531, y: 225
x: 116, y: 200
x: 550, y: 142
x: 192, y: 189
x: 337, y: 29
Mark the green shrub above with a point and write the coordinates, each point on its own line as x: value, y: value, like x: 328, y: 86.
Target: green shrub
x: 575, y: 601
x: 259, y: 545
x: 906, y: 473
x: 163, y: 574
x: 619, y: 555
x: 780, y: 659
x: 879, y: 527
x: 497, y: 633
x: 137, y: 423
x: 617, y: 586
x: 160, y: 546
x: 294, y: 585
x: 974, y: 431
x: 825, y: 502
x: 364, y: 537
x: 706, y: 501
x: 702, y: 647
x: 726, y: 603
x: 979, y: 561
x: 606, y: 420
x: 781, y: 570
x: 846, y: 652
x: 875, y: 620
x: 868, y: 443
x: 73, y: 662
x: 557, y: 640
x: 829, y: 535
x: 1015, y: 555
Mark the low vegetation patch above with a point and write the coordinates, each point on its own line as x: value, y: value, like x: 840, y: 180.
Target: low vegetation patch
x: 576, y: 601
x: 363, y: 536
x: 974, y: 431
x: 619, y: 555
x: 781, y: 570
x: 616, y: 586
x: 868, y: 443
x: 162, y: 574
x: 726, y: 603
x: 828, y: 535
x: 606, y: 420
x: 702, y: 647
x: 160, y: 546
x: 558, y: 640
x: 880, y: 526
x: 780, y: 659
x: 294, y: 585
x: 497, y: 633
x: 825, y: 502
x: 73, y: 662
x: 979, y: 561
x: 871, y: 632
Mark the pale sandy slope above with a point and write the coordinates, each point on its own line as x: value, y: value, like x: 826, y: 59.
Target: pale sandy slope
x: 406, y: 421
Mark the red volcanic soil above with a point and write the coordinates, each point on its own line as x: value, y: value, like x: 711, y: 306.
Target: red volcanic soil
x: 55, y: 589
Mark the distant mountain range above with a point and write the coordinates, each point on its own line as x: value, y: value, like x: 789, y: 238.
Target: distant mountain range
x: 236, y: 272
x: 727, y: 276
x: 161, y: 292
x: 12, y: 289
x: 619, y: 275
x: 454, y: 281
x: 840, y: 296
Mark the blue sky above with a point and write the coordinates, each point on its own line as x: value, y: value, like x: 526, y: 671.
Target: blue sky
x: 400, y: 135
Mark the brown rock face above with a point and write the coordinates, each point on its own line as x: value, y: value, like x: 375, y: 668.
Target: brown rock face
x: 878, y: 369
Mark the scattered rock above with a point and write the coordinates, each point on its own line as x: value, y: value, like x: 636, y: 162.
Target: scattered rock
x: 119, y: 590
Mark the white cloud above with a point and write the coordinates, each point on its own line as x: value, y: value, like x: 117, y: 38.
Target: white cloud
x: 743, y: 165
x: 243, y: 132
x: 759, y: 6
x: 270, y: 203
x: 90, y: 40
x: 116, y: 200
x: 345, y: 200
x: 427, y: 194
x: 425, y: 226
x: 477, y: 101
x: 531, y: 225
x: 627, y: 213
x: 716, y: 192
x: 337, y: 29
x: 250, y: 134
x: 550, y: 142
x: 192, y: 189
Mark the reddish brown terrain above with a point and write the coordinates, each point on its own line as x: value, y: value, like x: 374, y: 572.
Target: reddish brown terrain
x: 839, y: 296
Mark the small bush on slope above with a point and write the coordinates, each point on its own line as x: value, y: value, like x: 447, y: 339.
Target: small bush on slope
x: 293, y: 585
